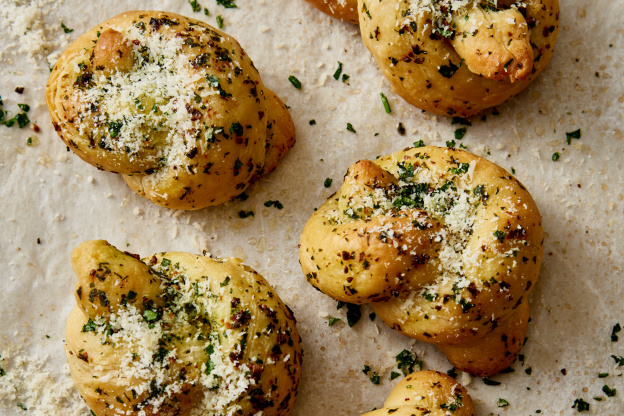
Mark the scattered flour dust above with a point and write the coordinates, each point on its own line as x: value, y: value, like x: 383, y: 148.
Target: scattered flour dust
x: 24, y: 30
x: 29, y: 387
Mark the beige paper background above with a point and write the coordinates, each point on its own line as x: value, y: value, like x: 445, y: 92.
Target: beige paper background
x: 50, y: 194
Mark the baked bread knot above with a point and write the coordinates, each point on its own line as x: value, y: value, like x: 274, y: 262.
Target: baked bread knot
x: 459, y: 57
x: 340, y: 9
x: 172, y: 104
x: 179, y: 334
x: 429, y: 393
x: 445, y: 245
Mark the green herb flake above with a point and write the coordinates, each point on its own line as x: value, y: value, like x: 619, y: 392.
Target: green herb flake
x: 22, y: 406
x: 228, y: 4
x: 385, y: 102
x: 66, y: 29
x: 603, y: 375
x: 617, y: 328
x: 90, y: 326
x: 312, y: 122
x: 225, y: 282
x: 447, y: 71
x: 338, y: 71
x: 245, y: 214
x: 327, y: 182
x: 419, y: 143
x: 114, y: 127
x: 372, y: 316
x: 350, y: 128
x: 581, y: 405
x: 609, y: 391
x: 149, y: 315
x: 276, y: 204
x: 462, y: 121
x: 500, y: 235
x: 502, y: 403
x: 24, y: 107
x: 618, y: 360
x: 195, y: 6
x: 220, y: 21
x: 354, y: 313
x: 489, y: 382
x: 408, y: 362
x: 576, y: 134
x: 345, y: 78
x: 394, y: 375
x: 206, y: 11
x: 332, y: 321
x: 295, y: 82
x: 165, y: 262
x: 460, y: 133
x: 373, y: 375
x: 555, y: 156
x: 451, y: 144
x: 528, y: 370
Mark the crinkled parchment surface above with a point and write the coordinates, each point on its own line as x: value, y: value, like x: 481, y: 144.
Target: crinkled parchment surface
x: 50, y: 201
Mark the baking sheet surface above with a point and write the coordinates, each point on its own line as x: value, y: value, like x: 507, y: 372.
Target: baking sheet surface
x: 51, y: 201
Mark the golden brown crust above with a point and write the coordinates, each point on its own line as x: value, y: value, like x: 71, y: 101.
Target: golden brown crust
x: 490, y: 54
x: 445, y: 245
x: 179, y: 334
x: 171, y: 103
x: 340, y: 9
x: 429, y: 393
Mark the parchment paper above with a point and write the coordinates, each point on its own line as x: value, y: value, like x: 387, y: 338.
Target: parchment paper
x: 50, y: 201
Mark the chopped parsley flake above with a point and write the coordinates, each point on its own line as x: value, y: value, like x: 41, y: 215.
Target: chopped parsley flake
x: 195, y: 6
x: 276, y: 204
x: 228, y: 4
x: 489, y: 382
x: 385, y: 102
x: 460, y: 133
x: 419, y: 143
x: 502, y: 403
x: 350, y: 128
x: 220, y: 21
x: 66, y: 29
x: 338, y: 71
x: 608, y: 391
x: 22, y: 406
x: 312, y: 122
x: 617, y: 328
x: 461, y: 120
x: 581, y: 405
x: 408, y: 362
x: 500, y: 235
x: 555, y: 156
x: 449, y: 71
x: 373, y: 375
x: 295, y: 82
x: 576, y: 134
x: 354, y: 314
x: 245, y: 214
x: 327, y: 182
x: 618, y: 360
x: 394, y: 375
x: 332, y: 321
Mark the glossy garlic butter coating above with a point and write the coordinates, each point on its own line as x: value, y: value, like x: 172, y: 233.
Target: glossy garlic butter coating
x: 427, y: 393
x: 445, y: 245
x: 459, y: 57
x: 171, y: 103
x: 179, y: 334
